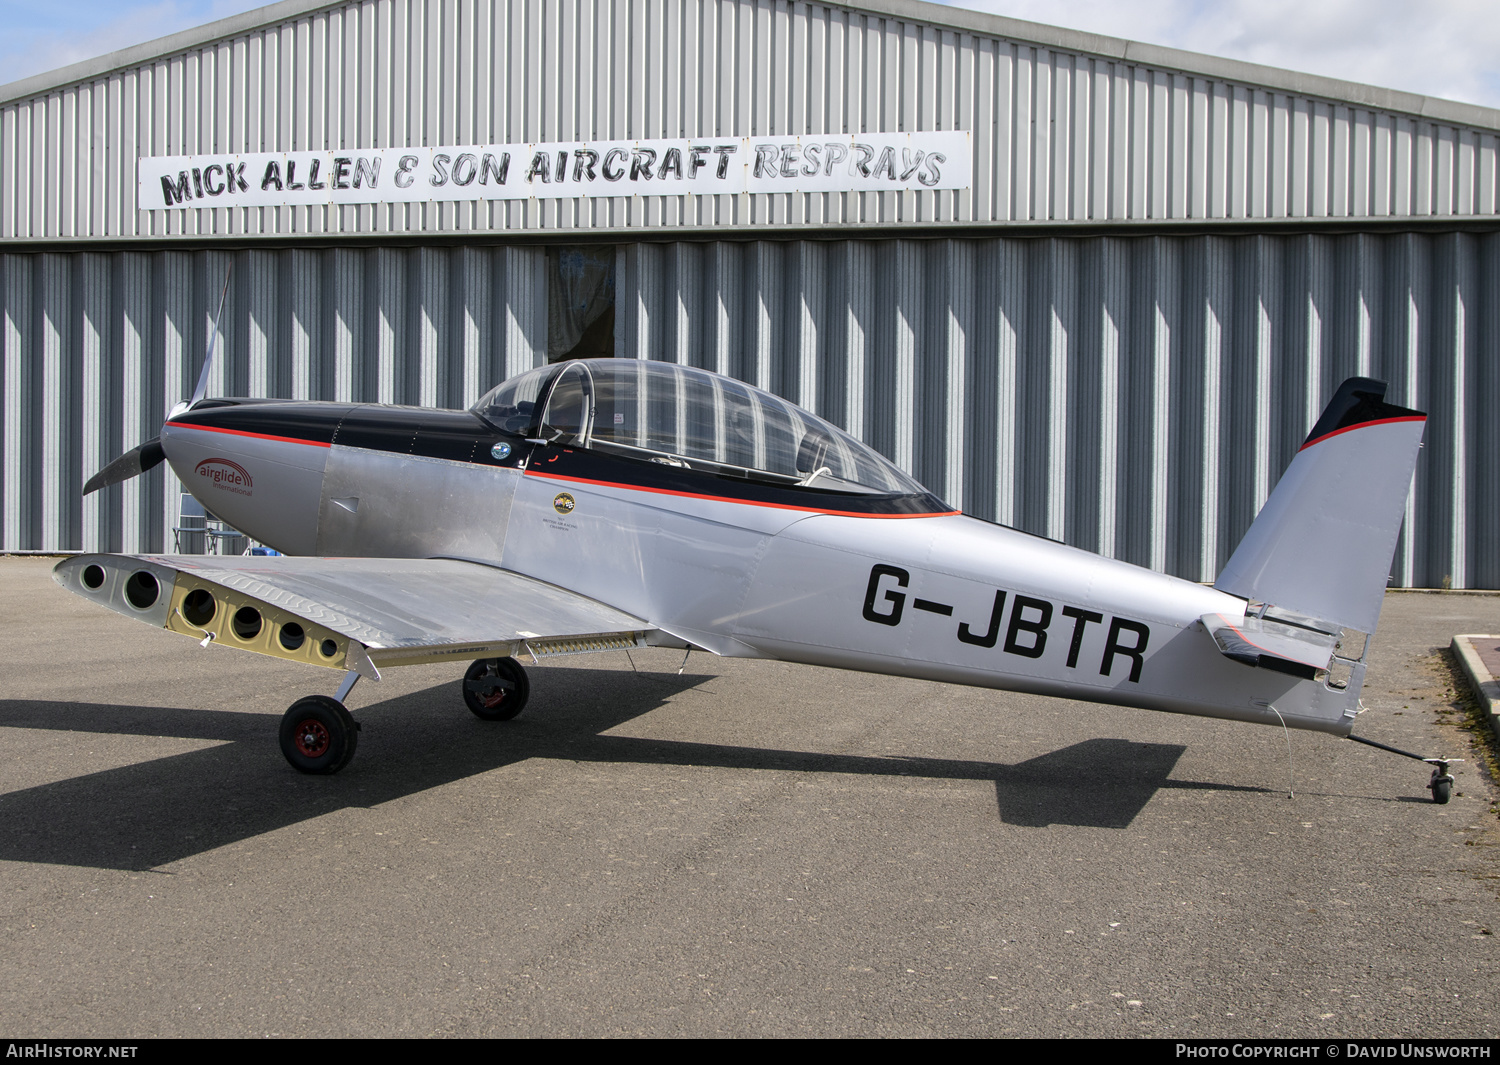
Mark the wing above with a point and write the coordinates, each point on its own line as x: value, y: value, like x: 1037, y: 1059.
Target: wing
x: 352, y: 613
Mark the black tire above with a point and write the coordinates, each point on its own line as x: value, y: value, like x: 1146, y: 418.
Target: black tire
x: 496, y: 689
x: 1441, y: 788
x: 318, y: 735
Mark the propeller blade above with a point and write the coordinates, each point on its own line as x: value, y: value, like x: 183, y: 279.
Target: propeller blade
x: 134, y: 462
x: 208, y: 357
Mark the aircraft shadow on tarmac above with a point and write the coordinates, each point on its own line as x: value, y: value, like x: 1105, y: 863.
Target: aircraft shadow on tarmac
x: 160, y: 811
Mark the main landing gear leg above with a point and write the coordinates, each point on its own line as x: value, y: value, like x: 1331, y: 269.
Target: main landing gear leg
x: 318, y: 734
x: 1441, y: 784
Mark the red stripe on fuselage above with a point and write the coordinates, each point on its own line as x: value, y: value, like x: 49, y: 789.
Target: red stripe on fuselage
x: 253, y: 436
x: 731, y: 499
x: 1363, y: 425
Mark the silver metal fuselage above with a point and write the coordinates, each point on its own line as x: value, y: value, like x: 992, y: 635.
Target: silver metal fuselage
x: 942, y: 597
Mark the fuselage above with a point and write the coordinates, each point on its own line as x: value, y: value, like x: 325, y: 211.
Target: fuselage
x: 888, y: 583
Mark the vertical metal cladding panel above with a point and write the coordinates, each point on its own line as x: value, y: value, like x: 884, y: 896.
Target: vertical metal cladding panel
x: 97, y: 347
x: 1135, y: 396
x: 1057, y: 134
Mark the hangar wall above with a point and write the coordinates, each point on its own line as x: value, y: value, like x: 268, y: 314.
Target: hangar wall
x: 98, y: 347
x: 1132, y: 395
x: 1136, y: 396
x: 1066, y: 126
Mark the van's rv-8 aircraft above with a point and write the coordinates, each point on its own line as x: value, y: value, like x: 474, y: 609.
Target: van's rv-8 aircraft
x: 599, y: 505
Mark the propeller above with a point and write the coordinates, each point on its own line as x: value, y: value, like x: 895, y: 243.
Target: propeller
x: 149, y: 455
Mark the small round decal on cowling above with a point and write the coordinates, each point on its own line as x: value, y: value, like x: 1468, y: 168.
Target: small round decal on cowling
x: 563, y: 503
x: 500, y: 451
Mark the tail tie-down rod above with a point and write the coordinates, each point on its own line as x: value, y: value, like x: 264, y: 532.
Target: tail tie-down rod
x: 1441, y: 784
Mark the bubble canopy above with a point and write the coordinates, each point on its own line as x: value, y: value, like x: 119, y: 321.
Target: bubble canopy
x: 688, y: 418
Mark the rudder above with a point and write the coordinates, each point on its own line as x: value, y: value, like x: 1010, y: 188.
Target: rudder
x: 1322, y: 544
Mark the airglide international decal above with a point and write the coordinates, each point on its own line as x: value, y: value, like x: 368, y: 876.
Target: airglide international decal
x: 226, y: 476
x: 710, y: 166
x: 1025, y: 633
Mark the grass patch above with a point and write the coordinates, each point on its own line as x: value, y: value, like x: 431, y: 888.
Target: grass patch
x: 1462, y: 709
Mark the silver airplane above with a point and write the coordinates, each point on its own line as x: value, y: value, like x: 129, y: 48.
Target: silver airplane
x: 600, y: 505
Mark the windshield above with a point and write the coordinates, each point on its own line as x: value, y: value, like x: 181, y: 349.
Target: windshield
x: 685, y: 417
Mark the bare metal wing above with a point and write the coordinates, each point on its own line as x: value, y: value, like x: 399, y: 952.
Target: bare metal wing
x: 352, y: 613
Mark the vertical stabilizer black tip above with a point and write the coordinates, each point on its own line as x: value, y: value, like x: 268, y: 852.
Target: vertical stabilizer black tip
x: 1359, y: 400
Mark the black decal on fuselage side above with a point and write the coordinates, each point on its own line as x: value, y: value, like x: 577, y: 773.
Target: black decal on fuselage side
x: 1019, y: 624
x: 1113, y: 647
x: 896, y: 599
x: 932, y: 608
x: 1081, y: 618
x: 991, y: 635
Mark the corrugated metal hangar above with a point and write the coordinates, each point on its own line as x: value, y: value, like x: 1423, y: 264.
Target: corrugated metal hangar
x: 1094, y: 289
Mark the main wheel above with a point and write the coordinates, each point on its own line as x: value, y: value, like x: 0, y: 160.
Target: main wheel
x: 496, y: 689
x: 318, y: 735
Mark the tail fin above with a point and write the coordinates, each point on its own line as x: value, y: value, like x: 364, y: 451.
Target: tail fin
x: 1322, y: 544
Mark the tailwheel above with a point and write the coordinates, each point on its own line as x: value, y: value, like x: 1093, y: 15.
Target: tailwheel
x: 318, y: 735
x: 496, y: 689
x: 1441, y: 784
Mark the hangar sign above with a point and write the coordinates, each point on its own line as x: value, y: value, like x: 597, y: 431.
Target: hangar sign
x: 708, y: 166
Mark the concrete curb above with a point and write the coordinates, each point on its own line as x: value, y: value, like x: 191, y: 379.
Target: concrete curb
x: 1486, y: 687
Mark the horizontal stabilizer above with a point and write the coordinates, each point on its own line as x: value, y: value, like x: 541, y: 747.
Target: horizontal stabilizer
x: 1269, y: 644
